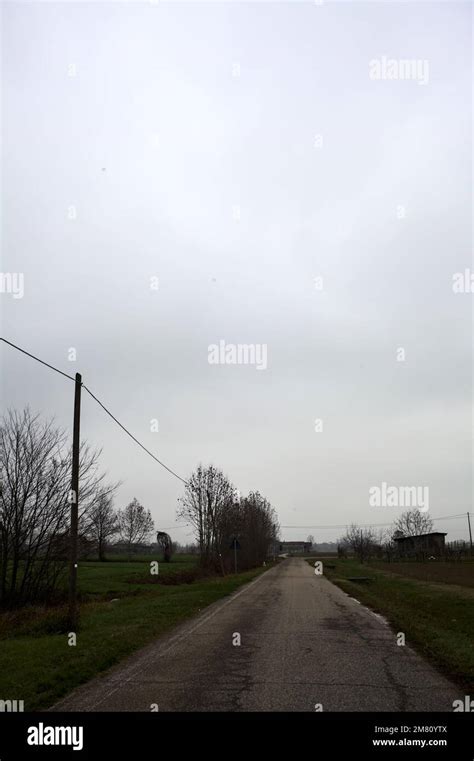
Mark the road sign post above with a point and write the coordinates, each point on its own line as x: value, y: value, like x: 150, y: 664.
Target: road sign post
x: 235, y: 546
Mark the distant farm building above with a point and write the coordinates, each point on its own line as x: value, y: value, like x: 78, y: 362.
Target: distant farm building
x: 420, y: 545
x: 297, y: 547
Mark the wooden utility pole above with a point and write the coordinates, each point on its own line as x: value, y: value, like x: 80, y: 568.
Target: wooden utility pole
x: 74, y: 497
x: 470, y: 533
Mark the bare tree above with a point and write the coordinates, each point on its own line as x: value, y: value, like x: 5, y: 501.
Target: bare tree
x: 35, y: 481
x: 342, y: 548
x: 258, y: 529
x: 413, y: 522
x: 362, y: 541
x: 386, y: 546
x: 208, y: 494
x: 219, y: 520
x: 310, y: 539
x: 103, y: 523
x: 135, y: 524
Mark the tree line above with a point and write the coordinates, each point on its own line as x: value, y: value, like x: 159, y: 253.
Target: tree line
x: 367, y: 543
x: 35, y: 483
x: 223, y: 520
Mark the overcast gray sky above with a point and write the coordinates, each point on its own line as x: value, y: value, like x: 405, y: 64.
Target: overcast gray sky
x: 237, y: 151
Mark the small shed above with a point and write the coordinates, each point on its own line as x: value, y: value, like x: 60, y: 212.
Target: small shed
x: 420, y: 545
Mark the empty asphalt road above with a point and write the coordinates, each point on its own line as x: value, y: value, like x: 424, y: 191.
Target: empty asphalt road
x: 303, y: 644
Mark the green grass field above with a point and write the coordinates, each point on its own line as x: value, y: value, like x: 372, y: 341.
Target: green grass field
x: 116, y: 577
x: 38, y: 666
x: 461, y: 573
x: 436, y: 614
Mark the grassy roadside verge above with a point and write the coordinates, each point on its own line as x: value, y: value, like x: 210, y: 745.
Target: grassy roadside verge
x: 437, y: 618
x: 40, y: 667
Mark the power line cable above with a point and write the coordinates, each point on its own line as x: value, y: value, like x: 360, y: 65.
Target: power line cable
x: 373, y: 525
x: 132, y: 436
x: 51, y: 367
x: 163, y: 465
